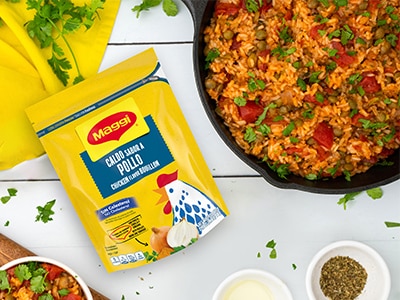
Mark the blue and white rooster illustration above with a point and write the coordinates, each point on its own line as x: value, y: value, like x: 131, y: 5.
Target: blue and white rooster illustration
x: 187, y: 202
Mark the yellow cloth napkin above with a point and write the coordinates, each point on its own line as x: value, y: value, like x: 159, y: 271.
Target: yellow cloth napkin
x: 26, y: 77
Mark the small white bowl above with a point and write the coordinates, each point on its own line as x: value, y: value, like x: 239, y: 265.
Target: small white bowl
x: 378, y: 283
x: 262, y: 280
x: 27, y: 259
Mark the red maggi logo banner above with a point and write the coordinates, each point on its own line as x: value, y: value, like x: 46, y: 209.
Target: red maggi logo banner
x: 111, y: 128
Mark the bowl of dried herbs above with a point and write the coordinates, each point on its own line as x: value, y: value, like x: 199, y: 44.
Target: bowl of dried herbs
x: 348, y: 270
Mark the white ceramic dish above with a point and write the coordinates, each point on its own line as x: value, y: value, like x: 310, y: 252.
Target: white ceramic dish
x: 27, y: 259
x: 378, y: 282
x: 276, y: 287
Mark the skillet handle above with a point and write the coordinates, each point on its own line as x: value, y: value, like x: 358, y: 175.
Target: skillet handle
x: 196, y: 8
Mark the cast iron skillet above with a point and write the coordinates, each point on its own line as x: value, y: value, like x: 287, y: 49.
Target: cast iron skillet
x: 202, y: 11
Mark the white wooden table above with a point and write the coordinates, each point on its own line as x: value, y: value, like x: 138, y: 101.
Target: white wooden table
x: 300, y: 223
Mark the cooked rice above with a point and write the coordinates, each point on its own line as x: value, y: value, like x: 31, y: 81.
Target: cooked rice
x: 364, y: 114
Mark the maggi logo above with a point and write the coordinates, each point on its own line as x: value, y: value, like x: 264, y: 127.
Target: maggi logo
x: 111, y: 128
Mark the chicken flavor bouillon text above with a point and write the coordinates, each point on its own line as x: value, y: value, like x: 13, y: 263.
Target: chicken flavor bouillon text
x: 129, y: 163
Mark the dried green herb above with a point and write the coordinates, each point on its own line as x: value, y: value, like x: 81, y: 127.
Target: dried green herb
x: 342, y: 278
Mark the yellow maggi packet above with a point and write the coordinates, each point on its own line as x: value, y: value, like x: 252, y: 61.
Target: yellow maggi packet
x: 129, y: 163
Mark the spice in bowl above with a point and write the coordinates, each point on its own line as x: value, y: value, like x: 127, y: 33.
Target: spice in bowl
x: 342, y: 278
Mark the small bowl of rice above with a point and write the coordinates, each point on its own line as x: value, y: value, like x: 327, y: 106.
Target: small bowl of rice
x: 33, y: 276
x: 348, y: 270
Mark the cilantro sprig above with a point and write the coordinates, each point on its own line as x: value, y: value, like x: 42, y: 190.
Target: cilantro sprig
x: 55, y: 20
x: 45, y: 212
x: 374, y: 193
x: 169, y: 7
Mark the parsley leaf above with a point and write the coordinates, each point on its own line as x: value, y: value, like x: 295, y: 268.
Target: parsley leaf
x: 375, y: 193
x: 272, y: 244
x: 22, y: 272
x: 169, y: 7
x: 211, y: 56
x: 45, y: 212
x: 4, y: 284
x: 392, y: 224
x: 54, y: 20
x: 346, y: 198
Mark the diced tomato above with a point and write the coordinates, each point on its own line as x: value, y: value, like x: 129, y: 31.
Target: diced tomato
x: 71, y: 297
x: 343, y: 59
x: 314, y: 32
x: 322, y: 153
x: 355, y: 119
x: 323, y: 134
x: 222, y: 8
x: 250, y: 111
x: 398, y: 42
x: 53, y: 270
x: 338, y: 46
x: 313, y: 99
x: 235, y: 43
x: 386, y: 152
x: 264, y: 53
x: 293, y: 150
x: 373, y: 5
x: 370, y: 84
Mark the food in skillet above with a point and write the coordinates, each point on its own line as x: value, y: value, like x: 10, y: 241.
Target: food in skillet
x: 310, y: 87
x: 38, y: 281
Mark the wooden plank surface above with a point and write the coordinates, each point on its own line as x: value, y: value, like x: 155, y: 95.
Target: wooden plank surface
x: 10, y: 250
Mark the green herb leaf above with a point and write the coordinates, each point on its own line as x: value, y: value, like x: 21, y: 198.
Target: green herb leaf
x: 346, y: 198
x: 250, y: 136
x: 4, y: 284
x: 170, y: 8
x: 45, y: 212
x: 392, y: 224
x: 289, y: 128
x: 211, y: 56
x: 145, y: 5
x: 54, y: 20
x: 239, y: 101
x: 63, y: 292
x: 375, y: 193
x: 22, y: 272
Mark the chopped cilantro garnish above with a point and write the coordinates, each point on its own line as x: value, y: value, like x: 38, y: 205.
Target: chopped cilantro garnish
x: 211, y: 56
x: 302, y: 84
x: 288, y: 129
x: 250, y: 136
x: 271, y: 245
x: 375, y: 193
x: 239, y: 101
x: 346, y: 198
x: 45, y: 212
x: 392, y: 224
x: 314, y: 77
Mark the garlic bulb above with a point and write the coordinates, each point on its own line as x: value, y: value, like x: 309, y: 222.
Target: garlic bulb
x: 181, y: 234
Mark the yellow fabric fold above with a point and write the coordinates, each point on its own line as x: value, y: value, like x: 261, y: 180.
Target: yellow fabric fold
x: 26, y: 77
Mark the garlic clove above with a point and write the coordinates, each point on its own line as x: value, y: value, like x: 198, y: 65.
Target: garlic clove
x: 182, y: 234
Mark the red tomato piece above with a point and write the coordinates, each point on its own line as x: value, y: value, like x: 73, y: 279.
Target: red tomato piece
x: 323, y: 134
x: 222, y: 8
x: 293, y: 150
x: 53, y: 270
x: 322, y: 153
x: 235, y: 43
x: 250, y: 111
x: 313, y: 99
x: 355, y: 119
x: 314, y: 31
x: 398, y: 42
x: 370, y: 84
x: 373, y: 5
x: 343, y: 59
